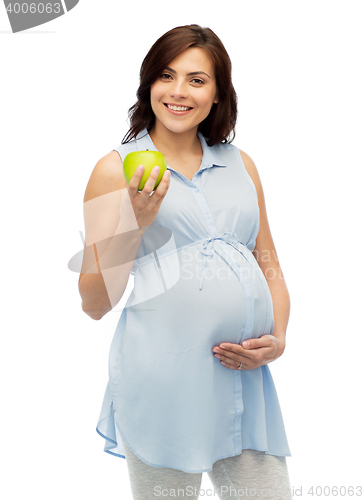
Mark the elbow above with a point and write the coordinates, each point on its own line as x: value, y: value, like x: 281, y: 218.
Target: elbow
x: 95, y: 314
x: 95, y: 305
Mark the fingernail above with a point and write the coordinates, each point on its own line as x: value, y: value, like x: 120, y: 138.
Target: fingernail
x: 222, y: 347
x: 246, y: 344
x: 156, y: 169
x: 140, y: 168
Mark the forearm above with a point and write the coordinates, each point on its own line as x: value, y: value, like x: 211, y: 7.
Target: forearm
x: 107, y: 265
x: 281, y: 307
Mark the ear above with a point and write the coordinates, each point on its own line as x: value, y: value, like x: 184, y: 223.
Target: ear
x: 216, y: 100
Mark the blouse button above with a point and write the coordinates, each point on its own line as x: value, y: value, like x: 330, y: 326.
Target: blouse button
x: 196, y: 190
x: 208, y: 216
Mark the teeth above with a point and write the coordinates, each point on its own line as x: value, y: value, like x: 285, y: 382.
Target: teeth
x: 178, y: 108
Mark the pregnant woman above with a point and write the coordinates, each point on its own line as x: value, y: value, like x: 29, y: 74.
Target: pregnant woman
x: 189, y: 388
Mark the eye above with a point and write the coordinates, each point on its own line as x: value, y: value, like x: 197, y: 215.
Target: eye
x: 198, y: 81
x: 165, y: 76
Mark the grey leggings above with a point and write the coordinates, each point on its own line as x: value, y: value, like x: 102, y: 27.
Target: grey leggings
x: 253, y: 475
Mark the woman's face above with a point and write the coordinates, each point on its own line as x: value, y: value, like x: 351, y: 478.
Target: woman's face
x: 183, y: 95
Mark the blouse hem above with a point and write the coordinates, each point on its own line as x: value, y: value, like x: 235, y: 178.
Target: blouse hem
x: 114, y: 444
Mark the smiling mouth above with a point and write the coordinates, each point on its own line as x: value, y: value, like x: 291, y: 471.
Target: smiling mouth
x: 177, y: 108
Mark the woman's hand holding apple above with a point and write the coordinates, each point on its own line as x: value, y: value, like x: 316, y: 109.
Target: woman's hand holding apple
x: 145, y: 204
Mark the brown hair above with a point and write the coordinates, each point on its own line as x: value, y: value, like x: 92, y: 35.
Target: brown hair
x: 220, y: 122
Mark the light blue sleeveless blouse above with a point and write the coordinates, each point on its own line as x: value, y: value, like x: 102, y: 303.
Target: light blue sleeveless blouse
x: 174, y: 404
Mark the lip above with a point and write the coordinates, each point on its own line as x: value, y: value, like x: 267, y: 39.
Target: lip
x: 179, y: 113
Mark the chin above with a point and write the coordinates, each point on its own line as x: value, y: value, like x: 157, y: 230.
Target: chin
x: 179, y: 128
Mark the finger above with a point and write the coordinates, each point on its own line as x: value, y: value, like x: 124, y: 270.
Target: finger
x: 229, y: 357
x: 233, y: 360
x: 162, y: 187
x: 263, y: 341
x: 156, y: 198
x: 232, y: 351
x: 135, y: 180
x: 236, y: 351
x: 247, y: 364
x: 231, y: 347
x: 235, y: 365
x: 150, y: 183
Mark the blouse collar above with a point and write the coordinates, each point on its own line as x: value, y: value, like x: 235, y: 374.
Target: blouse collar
x: 209, y: 155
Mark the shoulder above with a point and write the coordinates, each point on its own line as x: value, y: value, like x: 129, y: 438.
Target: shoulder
x: 252, y: 171
x: 107, y: 176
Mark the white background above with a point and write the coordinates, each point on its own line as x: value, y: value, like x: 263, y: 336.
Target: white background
x: 66, y: 87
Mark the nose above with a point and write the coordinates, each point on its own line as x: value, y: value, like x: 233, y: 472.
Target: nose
x: 178, y: 89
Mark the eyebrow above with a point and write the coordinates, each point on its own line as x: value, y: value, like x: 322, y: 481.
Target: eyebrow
x: 189, y: 74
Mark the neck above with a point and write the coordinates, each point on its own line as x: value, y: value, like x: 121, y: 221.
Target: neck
x: 173, y: 143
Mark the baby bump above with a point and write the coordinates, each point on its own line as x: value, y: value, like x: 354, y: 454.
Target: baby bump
x: 233, y: 304
x: 230, y: 291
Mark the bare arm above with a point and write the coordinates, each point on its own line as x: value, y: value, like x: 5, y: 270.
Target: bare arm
x: 107, y: 214
x: 257, y: 352
x: 116, y: 215
x: 266, y: 256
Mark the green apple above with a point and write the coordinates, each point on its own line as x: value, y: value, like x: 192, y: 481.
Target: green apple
x: 149, y: 159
